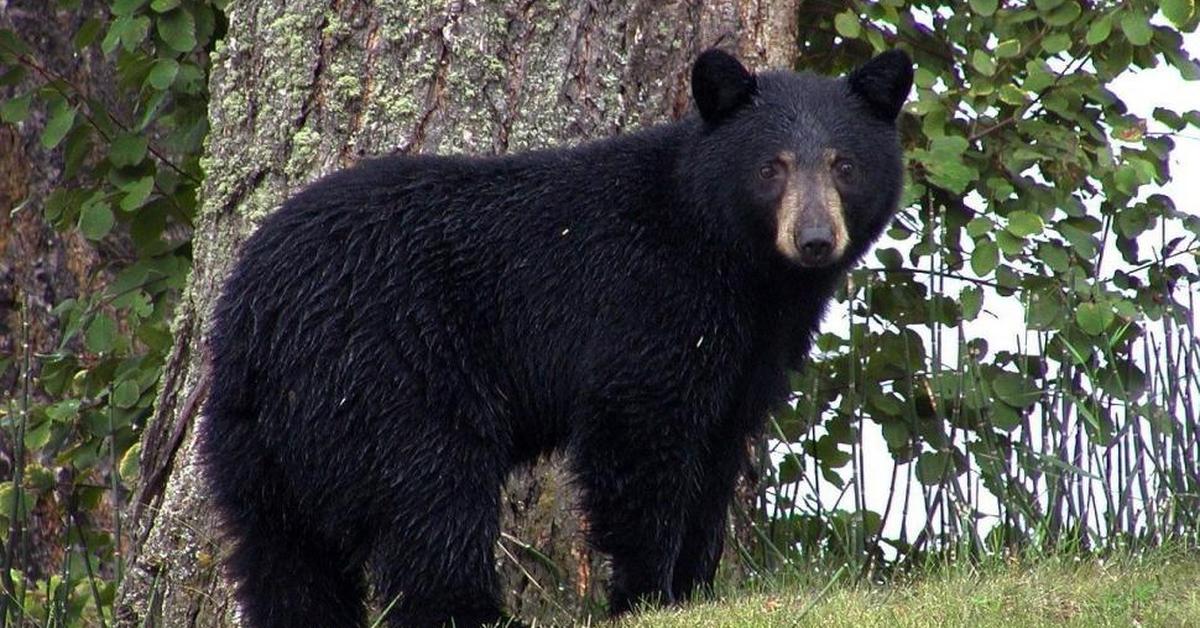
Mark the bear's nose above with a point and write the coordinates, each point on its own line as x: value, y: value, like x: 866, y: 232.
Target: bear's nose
x: 815, y: 245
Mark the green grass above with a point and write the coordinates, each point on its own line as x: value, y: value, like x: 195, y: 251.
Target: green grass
x: 1160, y: 589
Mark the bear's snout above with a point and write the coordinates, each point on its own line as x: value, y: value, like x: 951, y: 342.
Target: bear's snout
x: 811, y: 222
x: 815, y: 245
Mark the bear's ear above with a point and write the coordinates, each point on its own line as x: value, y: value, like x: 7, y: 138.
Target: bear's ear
x: 883, y: 82
x: 720, y: 85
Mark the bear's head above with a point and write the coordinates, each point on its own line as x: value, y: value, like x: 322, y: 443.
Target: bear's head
x: 809, y: 166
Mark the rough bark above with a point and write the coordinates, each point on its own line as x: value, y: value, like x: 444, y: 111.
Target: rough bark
x: 300, y: 88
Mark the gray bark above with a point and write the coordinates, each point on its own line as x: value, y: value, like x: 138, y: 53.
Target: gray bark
x: 301, y: 88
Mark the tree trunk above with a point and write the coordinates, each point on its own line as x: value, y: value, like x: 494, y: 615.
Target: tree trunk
x: 301, y: 88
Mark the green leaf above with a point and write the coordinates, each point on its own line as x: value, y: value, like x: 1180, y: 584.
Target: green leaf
x: 10, y: 499
x: 162, y: 74
x: 178, y: 28
x: 1094, y: 318
x: 790, y: 469
x: 980, y: 225
x: 896, y: 434
x: 1023, y: 224
x: 1056, y: 43
x: 847, y: 24
x: 1099, y: 31
x: 1015, y: 389
x: 1005, y: 417
x: 62, y: 118
x: 984, y: 258
x: 1038, y: 75
x: 64, y: 411
x: 1054, y: 256
x: 128, y: 31
x: 1063, y: 15
x: 122, y: 8
x: 884, y: 404
x: 111, y: 38
x: 934, y: 466
x: 1000, y: 188
x: 95, y: 219
x: 951, y: 175
x: 1078, y: 233
x: 129, y: 466
x: 1008, y: 48
x: 136, y: 193
x: 125, y: 395
x: 1188, y: 67
x: 827, y: 452
x: 64, y: 203
x: 135, y: 33
x: 924, y: 78
x: 101, y: 335
x: 10, y: 43
x: 37, y: 437
x: 1009, y: 244
x: 1178, y: 11
x: 87, y: 33
x: 162, y: 6
x: 1011, y: 94
x: 971, y: 299
x: 76, y: 149
x: 16, y: 109
x: 950, y: 146
x: 890, y: 258
x: 1133, y: 222
x: 1044, y: 310
x: 983, y: 63
x: 1126, y: 309
x: 127, y: 149
x: 985, y: 7
x: 1126, y: 179
x: 13, y: 76
x: 1136, y: 27
x: 1170, y: 118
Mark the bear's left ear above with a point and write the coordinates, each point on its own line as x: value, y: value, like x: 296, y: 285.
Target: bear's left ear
x: 884, y: 82
x: 720, y: 85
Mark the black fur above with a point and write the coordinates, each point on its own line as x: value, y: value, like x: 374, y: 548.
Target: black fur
x: 884, y: 83
x: 402, y: 334
x: 720, y: 85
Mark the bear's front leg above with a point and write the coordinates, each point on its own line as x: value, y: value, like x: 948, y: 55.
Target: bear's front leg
x: 639, y: 466
x: 708, y: 517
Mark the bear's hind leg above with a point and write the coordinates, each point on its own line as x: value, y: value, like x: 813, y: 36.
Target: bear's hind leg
x: 286, y: 579
x: 434, y: 564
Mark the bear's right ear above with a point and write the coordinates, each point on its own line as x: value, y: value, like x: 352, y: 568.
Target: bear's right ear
x: 720, y: 85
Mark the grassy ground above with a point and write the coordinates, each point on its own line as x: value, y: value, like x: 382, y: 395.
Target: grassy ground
x: 1162, y: 589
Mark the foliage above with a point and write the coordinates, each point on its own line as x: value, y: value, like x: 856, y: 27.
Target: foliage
x: 130, y: 176
x: 1031, y: 195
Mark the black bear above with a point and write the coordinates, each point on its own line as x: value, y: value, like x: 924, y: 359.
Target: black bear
x: 402, y: 334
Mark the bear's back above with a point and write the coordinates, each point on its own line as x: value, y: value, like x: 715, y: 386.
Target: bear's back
x: 470, y: 256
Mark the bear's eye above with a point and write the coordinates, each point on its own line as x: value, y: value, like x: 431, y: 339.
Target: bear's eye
x: 770, y: 170
x: 844, y: 169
